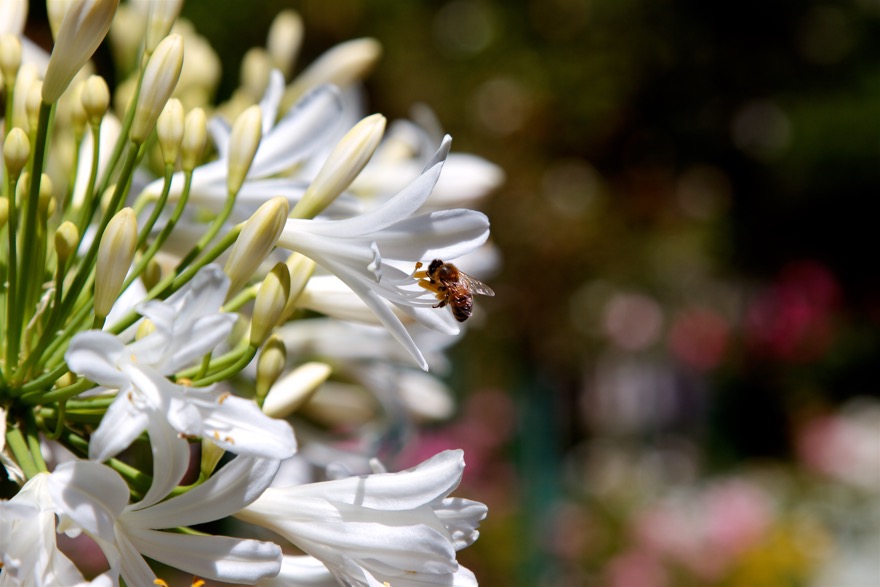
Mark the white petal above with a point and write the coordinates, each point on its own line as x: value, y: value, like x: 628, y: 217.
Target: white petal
x: 271, y: 99
x: 94, y: 354
x: 89, y: 494
x: 229, y: 490
x: 445, y: 234
x: 302, y: 571
x: 430, y: 481
x: 171, y: 458
x: 220, y: 558
x: 121, y: 424
x: 239, y: 426
x: 304, y: 129
x: 461, y: 518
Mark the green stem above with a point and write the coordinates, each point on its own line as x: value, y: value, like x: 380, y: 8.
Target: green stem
x: 230, y: 371
x: 215, y: 227
x: 33, y: 440
x: 13, y: 334
x: 18, y: 445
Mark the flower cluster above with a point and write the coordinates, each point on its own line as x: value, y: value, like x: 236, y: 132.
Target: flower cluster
x: 172, y: 308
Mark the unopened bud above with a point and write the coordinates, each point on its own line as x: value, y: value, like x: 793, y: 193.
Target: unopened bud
x: 84, y: 27
x: 70, y: 106
x: 152, y: 274
x: 16, y: 150
x: 295, y: 389
x: 115, y: 255
x: 10, y: 57
x: 247, y: 131
x: 256, y: 240
x: 269, y: 304
x: 270, y: 365
x: 255, y: 70
x: 169, y: 128
x: 341, y: 66
x: 45, y: 201
x: 160, y: 78
x: 66, y: 241
x: 144, y: 329
x: 161, y: 17
x: 195, y: 137
x: 301, y: 269
x: 95, y: 98
x: 284, y: 40
x: 4, y: 212
x: 343, y: 164
x: 32, y: 103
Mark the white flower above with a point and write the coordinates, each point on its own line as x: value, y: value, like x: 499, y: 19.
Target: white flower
x: 93, y: 498
x: 28, y: 551
x: 188, y: 325
x: 399, y: 528
x: 363, y: 251
x: 307, y: 127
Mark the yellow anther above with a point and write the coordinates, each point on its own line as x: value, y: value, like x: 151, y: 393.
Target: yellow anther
x: 160, y: 582
x: 223, y: 397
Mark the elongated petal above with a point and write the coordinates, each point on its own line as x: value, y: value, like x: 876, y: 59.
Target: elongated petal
x: 93, y: 354
x: 123, y: 422
x: 134, y: 568
x: 304, y: 571
x: 239, y: 426
x: 171, y: 458
x: 461, y: 518
x: 430, y: 481
x: 220, y: 558
x: 229, y: 490
x: 446, y: 234
x: 90, y: 495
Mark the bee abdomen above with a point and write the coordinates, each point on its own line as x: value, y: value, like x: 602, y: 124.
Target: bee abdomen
x: 462, y: 305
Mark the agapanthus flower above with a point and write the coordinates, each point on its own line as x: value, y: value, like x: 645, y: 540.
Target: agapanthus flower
x: 188, y: 326
x: 93, y: 498
x: 399, y: 528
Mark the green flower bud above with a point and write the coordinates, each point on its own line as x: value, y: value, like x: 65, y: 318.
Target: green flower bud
x: 343, y: 164
x: 161, y: 17
x: 115, y: 254
x: 301, y: 269
x: 84, y: 27
x: 270, y: 364
x: 66, y: 241
x: 95, y: 98
x: 269, y: 304
x: 295, y: 389
x: 247, y: 131
x: 255, y: 70
x: 284, y: 40
x: 160, y: 78
x: 195, y: 137
x: 256, y: 240
x: 169, y: 128
x: 16, y: 150
x: 10, y: 57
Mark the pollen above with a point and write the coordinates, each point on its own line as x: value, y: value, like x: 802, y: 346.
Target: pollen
x: 198, y: 582
x: 223, y: 397
x: 184, y: 381
x: 160, y: 583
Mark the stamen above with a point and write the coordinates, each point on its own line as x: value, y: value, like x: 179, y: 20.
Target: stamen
x: 223, y: 397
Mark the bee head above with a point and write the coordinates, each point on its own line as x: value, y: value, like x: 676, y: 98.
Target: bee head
x: 434, y: 266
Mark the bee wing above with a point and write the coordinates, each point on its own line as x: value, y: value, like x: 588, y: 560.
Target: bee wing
x: 475, y: 286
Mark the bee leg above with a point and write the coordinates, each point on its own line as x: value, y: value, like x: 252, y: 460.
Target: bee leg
x: 441, y: 304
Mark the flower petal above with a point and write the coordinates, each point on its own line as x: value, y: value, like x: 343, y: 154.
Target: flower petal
x: 90, y: 495
x: 94, y: 355
x: 220, y: 558
x: 121, y: 424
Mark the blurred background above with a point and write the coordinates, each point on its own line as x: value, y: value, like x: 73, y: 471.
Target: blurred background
x: 677, y: 382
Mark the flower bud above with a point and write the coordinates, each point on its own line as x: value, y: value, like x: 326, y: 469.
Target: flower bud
x: 284, y: 40
x: 301, y: 269
x: 152, y: 274
x: 10, y: 57
x: 343, y: 164
x: 169, y: 128
x: 66, y: 241
x: 32, y: 103
x: 255, y: 242
x: 255, y: 70
x: 247, y: 131
x: 84, y: 27
x: 195, y: 137
x: 269, y: 304
x: 45, y: 202
x: 160, y: 78
x: 16, y: 151
x: 95, y: 98
x: 295, y: 389
x: 70, y: 110
x: 4, y: 212
x: 145, y: 328
x: 341, y: 66
x: 161, y: 17
x: 115, y: 254
x: 270, y: 364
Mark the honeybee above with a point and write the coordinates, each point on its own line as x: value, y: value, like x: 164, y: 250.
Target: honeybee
x: 453, y: 287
